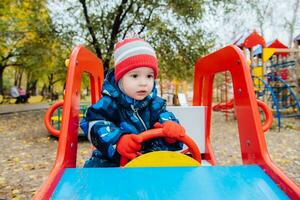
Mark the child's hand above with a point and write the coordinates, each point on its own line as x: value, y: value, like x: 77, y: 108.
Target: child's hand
x: 129, y: 145
x: 171, y: 130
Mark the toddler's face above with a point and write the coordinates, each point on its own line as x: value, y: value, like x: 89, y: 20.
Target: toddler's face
x: 138, y: 83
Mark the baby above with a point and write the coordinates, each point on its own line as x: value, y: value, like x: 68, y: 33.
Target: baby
x: 129, y: 106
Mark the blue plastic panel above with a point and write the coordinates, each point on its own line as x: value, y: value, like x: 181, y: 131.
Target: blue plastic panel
x: 219, y: 182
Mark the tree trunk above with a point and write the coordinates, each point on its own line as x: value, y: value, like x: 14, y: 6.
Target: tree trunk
x: 31, y: 87
x: 20, y: 78
x: 1, y: 80
x: 114, y: 33
x: 161, y: 86
x: 50, y: 86
x: 44, y: 91
x: 292, y: 24
x: 87, y: 91
x: 15, y: 78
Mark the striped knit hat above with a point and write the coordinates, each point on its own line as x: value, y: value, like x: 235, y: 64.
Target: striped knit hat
x: 133, y: 53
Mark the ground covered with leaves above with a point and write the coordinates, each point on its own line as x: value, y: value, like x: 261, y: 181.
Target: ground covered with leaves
x: 28, y: 151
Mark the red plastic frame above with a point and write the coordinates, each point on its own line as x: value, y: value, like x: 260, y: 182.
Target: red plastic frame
x: 81, y: 60
x: 48, y: 115
x: 268, y: 115
x: 251, y: 134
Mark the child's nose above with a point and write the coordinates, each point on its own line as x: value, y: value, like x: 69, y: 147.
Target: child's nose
x: 143, y: 81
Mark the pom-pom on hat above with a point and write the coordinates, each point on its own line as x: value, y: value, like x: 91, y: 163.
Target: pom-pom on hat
x: 133, y: 53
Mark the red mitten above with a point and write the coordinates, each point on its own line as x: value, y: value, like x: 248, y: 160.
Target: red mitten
x: 171, y: 130
x: 129, y: 145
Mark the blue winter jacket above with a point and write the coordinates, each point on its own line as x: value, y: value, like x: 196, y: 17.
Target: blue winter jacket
x: 116, y: 114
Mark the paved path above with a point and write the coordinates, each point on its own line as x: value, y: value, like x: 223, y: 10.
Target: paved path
x: 5, y: 109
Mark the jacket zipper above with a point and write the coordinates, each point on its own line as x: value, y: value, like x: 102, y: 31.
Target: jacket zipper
x: 135, y: 110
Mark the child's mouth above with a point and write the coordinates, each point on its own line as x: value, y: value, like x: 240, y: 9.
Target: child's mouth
x: 142, y: 92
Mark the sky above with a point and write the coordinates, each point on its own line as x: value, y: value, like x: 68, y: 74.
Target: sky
x: 227, y: 28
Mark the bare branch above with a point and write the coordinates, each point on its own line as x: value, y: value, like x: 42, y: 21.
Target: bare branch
x: 115, y: 30
x: 95, y: 42
x: 146, y: 21
x: 60, y: 79
x: 126, y: 11
x: 132, y: 23
x: 8, y: 56
x: 10, y: 64
x: 117, y: 23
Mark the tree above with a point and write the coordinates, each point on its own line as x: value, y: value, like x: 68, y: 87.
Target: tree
x: 290, y: 24
x: 28, y: 42
x: 103, y: 23
x: 9, y: 41
x: 263, y: 11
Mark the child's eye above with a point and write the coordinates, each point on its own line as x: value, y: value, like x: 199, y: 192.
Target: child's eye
x: 134, y: 75
x: 150, y: 76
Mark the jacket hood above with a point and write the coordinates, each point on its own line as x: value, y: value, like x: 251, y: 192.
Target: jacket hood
x: 110, y: 88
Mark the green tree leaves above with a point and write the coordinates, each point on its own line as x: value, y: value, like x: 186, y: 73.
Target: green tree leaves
x: 28, y: 41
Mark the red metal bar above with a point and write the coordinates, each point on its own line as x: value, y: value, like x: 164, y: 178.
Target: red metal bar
x: 81, y: 60
x: 252, y: 140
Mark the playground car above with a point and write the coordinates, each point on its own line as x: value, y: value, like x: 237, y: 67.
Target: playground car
x: 257, y: 178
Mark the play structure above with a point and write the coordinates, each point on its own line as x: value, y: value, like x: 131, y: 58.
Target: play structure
x: 275, y: 71
x: 223, y: 90
x: 276, y: 78
x: 53, y: 117
x: 181, y: 177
